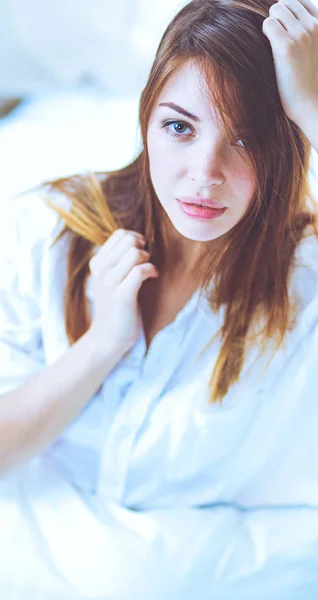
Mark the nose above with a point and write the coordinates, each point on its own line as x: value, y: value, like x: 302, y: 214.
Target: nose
x: 205, y: 164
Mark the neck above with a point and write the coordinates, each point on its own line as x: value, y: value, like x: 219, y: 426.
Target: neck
x: 181, y: 258
x: 180, y: 266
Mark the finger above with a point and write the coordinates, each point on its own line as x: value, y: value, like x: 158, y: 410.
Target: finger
x: 114, y: 247
x: 287, y: 20
x: 310, y: 6
x: 119, y: 235
x: 120, y: 250
x: 298, y: 11
x: 135, y: 256
x: 138, y: 274
x: 110, y: 242
x: 274, y: 31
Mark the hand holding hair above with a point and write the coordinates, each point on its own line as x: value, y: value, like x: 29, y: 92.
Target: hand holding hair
x: 118, y: 270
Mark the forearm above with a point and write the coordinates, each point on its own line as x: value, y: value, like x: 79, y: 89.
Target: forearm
x: 34, y: 415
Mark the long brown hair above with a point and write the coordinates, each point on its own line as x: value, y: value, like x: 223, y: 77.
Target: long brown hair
x: 252, y: 266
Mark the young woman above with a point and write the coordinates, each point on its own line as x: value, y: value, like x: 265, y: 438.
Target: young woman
x: 159, y: 336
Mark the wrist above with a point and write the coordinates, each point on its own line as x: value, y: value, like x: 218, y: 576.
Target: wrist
x: 309, y: 125
x: 101, y: 352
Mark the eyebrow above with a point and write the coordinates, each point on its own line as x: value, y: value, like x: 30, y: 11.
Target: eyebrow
x: 180, y: 110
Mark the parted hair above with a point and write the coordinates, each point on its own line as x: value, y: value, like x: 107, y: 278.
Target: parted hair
x: 251, y: 265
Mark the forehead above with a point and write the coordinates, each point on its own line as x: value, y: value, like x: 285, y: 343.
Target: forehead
x: 187, y: 87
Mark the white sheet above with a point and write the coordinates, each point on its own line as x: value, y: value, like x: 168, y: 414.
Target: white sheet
x: 57, y: 135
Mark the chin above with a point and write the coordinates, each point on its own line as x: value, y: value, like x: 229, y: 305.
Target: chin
x: 201, y: 231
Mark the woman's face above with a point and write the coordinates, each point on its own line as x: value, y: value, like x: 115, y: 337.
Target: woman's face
x: 191, y: 159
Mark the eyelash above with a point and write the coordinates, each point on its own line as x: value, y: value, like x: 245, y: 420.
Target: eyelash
x: 174, y: 134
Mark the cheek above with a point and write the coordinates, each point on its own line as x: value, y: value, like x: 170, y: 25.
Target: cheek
x: 164, y: 162
x: 244, y: 185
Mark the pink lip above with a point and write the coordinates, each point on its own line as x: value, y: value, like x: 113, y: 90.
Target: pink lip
x: 199, y: 201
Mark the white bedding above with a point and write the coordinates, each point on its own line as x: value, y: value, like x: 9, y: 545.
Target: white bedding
x: 61, y: 134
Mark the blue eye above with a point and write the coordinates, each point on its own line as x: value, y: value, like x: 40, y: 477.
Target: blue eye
x: 178, y: 128
x: 182, y: 130
x: 244, y: 142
